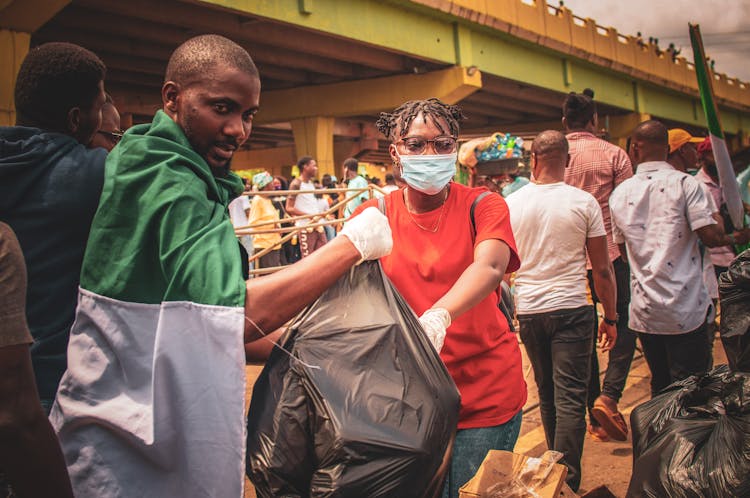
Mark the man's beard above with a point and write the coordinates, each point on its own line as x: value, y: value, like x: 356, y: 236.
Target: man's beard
x: 712, y: 171
x: 222, y: 171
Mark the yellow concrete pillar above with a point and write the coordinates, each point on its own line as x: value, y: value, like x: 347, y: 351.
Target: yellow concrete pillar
x: 314, y: 137
x: 14, y: 45
x: 620, y: 127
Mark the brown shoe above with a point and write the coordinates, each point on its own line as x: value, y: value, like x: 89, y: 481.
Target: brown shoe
x: 611, y: 421
x: 598, y: 433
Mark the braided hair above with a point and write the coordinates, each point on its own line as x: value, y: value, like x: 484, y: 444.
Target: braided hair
x: 399, y: 121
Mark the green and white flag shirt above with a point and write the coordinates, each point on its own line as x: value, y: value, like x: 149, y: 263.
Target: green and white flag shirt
x: 152, y: 403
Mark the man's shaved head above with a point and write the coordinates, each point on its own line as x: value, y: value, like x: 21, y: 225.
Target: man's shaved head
x: 192, y: 59
x: 549, y: 156
x: 212, y: 91
x: 649, y: 142
x: 652, y: 132
x: 550, y: 143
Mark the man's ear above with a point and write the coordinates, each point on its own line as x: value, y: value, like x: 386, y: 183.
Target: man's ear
x: 74, y: 120
x: 169, y: 95
x: 633, y: 153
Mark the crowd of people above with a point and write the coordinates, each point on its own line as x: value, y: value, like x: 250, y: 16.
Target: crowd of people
x: 128, y: 312
x: 260, y: 214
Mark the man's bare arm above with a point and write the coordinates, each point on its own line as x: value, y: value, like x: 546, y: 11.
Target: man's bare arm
x: 290, y: 200
x: 30, y: 454
x: 714, y: 236
x: 272, y: 300
x: 605, y: 286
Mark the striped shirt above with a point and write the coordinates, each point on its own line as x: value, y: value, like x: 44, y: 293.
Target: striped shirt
x: 597, y: 167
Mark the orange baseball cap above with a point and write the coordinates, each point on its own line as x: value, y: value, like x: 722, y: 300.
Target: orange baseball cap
x: 679, y: 137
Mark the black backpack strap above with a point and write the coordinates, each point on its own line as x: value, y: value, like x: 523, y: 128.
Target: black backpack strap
x: 505, y: 301
x: 471, y: 211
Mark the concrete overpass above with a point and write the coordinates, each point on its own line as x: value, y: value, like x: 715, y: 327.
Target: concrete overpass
x: 329, y: 67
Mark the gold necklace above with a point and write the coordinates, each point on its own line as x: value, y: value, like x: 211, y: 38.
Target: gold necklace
x: 440, y: 218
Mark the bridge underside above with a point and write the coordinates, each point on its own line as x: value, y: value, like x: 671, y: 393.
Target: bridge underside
x: 328, y: 68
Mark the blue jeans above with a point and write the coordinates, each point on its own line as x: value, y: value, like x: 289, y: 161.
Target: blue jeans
x: 471, y: 447
x: 330, y: 232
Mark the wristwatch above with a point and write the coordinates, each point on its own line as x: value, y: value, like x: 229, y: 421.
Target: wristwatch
x: 609, y: 321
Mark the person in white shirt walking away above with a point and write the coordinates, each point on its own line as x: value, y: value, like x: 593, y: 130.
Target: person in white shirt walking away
x: 658, y: 217
x: 555, y: 225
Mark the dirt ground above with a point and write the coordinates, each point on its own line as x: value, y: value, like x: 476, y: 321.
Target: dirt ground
x: 603, y: 463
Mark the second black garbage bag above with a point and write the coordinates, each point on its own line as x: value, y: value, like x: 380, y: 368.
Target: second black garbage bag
x: 363, y: 406
x: 693, y: 439
x: 734, y: 289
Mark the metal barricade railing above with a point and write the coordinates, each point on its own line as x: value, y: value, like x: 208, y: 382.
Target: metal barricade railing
x: 316, y: 220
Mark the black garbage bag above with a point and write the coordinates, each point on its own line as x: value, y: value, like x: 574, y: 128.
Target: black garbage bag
x: 734, y: 290
x: 693, y: 440
x: 363, y: 407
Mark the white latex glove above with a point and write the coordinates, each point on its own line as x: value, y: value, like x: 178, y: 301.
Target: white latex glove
x: 370, y: 234
x: 434, y: 321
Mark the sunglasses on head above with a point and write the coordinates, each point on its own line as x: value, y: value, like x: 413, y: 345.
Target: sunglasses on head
x: 114, y: 136
x: 441, y: 145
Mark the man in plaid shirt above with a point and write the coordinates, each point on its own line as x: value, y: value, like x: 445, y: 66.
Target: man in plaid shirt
x: 597, y: 167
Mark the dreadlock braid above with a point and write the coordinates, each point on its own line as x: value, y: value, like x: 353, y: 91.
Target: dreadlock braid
x: 389, y: 124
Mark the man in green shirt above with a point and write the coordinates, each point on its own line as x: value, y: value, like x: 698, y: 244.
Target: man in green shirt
x: 356, y: 182
x: 152, y: 403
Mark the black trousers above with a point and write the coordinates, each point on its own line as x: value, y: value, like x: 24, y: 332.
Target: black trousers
x: 559, y: 347
x: 675, y: 357
x: 269, y: 260
x: 621, y: 355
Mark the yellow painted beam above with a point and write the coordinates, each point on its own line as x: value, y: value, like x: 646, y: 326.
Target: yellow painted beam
x: 352, y: 98
x: 462, y: 41
x: 272, y: 160
x: 14, y: 46
x: 313, y: 136
x: 514, y: 128
x: 28, y: 15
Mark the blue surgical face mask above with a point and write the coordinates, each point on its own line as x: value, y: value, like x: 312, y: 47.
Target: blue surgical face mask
x: 428, y: 173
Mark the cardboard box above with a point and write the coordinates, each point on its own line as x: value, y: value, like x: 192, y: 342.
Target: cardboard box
x: 501, y: 467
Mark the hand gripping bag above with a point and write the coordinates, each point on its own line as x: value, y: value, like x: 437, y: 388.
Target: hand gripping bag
x: 362, y: 407
x: 693, y: 439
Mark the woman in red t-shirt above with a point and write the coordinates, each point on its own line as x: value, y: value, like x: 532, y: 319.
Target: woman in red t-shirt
x: 449, y: 275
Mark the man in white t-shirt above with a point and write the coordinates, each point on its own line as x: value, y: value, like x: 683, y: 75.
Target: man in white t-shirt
x: 555, y: 225
x: 238, y: 209
x: 658, y: 217
x: 310, y: 239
